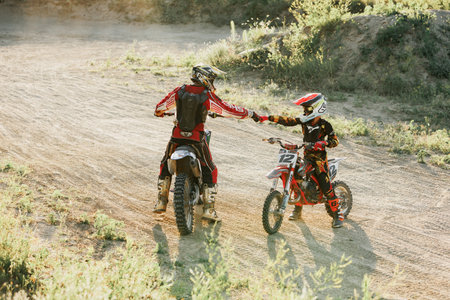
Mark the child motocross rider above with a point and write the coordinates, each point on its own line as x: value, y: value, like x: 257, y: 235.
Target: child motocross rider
x: 315, y: 129
x: 193, y: 103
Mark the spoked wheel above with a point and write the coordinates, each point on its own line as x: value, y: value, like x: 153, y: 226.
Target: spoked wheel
x: 271, y: 218
x: 343, y: 192
x: 184, y: 211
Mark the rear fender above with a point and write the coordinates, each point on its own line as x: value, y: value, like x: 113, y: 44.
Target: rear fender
x: 277, y: 172
x: 183, y: 160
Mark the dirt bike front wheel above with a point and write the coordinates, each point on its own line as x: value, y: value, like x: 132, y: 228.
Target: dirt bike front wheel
x: 271, y: 218
x: 184, y: 211
x: 344, y: 193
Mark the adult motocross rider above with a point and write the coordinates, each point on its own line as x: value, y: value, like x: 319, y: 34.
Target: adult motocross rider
x: 315, y: 130
x: 192, y: 103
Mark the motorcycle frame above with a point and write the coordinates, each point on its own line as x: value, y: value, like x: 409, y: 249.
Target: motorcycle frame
x: 286, y: 174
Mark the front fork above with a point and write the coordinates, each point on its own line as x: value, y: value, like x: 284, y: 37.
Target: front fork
x: 287, y: 179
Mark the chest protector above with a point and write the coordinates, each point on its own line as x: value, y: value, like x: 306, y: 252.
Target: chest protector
x: 313, y: 133
x: 190, y: 109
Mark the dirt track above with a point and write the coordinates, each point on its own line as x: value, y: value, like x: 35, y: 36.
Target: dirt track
x: 97, y: 134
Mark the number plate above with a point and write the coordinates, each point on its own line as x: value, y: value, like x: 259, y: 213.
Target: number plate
x: 287, y: 157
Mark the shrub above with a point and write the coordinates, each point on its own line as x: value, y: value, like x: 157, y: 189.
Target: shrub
x: 134, y: 274
x: 442, y: 161
x: 108, y: 228
x: 17, y: 267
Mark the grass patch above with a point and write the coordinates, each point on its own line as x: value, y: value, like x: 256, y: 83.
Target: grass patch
x: 221, y: 278
x: 108, y: 228
x: 17, y: 269
x: 441, y: 161
x: 401, y: 138
x: 18, y: 263
x: 131, y: 273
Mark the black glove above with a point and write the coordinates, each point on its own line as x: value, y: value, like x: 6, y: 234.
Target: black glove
x: 256, y: 117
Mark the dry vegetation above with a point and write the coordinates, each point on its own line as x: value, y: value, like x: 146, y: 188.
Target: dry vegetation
x: 101, y: 269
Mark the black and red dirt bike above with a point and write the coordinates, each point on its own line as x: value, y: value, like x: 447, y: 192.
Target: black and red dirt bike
x: 188, y: 190
x: 300, y: 186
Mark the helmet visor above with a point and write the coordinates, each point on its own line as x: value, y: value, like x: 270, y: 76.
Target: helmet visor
x: 307, y: 110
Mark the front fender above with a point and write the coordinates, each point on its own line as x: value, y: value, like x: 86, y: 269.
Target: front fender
x: 276, y: 173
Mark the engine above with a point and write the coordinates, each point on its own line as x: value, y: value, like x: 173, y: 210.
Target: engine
x: 310, y: 189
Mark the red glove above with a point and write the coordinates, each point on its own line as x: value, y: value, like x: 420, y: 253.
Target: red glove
x: 317, y: 146
x: 263, y: 118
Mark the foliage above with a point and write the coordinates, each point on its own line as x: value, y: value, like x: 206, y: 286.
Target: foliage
x: 6, y: 166
x: 212, y: 280
x: 219, y: 280
x: 405, y: 60
x: 131, y: 274
x: 319, y: 14
x: 108, y: 228
x: 401, y: 138
x: 442, y: 161
x: 16, y: 262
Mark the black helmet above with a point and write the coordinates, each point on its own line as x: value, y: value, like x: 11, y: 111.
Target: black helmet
x: 205, y: 75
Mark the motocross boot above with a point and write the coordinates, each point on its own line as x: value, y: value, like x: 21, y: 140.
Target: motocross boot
x: 163, y: 195
x: 209, y: 199
x: 338, y: 216
x: 296, y: 213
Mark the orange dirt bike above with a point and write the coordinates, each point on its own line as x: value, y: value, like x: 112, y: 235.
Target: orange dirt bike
x: 188, y: 189
x: 300, y: 186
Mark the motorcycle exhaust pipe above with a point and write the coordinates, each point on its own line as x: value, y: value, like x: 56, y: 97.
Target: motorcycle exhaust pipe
x: 195, y: 167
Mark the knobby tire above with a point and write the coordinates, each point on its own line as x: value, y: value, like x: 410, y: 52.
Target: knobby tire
x: 348, y: 201
x: 182, y: 193
x: 266, y: 215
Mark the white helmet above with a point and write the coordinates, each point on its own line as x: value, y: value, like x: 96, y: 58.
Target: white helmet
x: 205, y: 74
x: 314, y: 104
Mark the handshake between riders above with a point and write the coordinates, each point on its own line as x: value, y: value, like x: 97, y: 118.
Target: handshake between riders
x: 194, y: 101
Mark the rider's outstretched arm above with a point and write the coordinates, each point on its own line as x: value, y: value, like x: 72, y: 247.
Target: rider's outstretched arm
x: 285, y: 121
x: 227, y: 110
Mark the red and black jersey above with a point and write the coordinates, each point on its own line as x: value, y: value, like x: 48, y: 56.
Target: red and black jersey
x: 212, y: 103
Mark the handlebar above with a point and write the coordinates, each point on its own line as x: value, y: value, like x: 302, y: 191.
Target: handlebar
x: 283, y: 143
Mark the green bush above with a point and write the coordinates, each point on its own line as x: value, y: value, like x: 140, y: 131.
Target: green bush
x: 108, y: 228
x: 133, y: 274
x: 17, y: 264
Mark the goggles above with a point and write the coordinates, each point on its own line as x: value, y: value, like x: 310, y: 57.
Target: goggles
x: 307, y: 110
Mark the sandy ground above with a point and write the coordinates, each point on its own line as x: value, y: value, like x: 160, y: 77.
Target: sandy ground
x: 92, y: 132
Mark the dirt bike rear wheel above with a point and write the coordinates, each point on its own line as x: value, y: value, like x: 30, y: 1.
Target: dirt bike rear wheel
x: 270, y: 219
x: 184, y: 211
x: 344, y: 193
